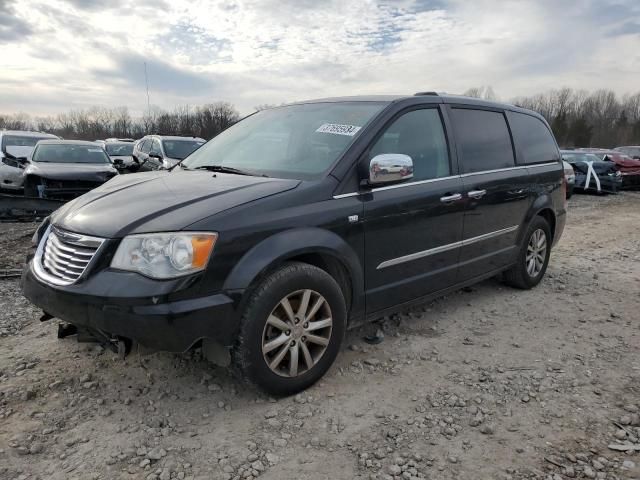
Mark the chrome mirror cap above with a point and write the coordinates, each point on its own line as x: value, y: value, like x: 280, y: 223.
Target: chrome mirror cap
x: 390, y: 168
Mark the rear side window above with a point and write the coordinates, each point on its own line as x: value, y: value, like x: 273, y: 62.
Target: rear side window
x: 420, y: 135
x: 483, y: 140
x: 534, y: 142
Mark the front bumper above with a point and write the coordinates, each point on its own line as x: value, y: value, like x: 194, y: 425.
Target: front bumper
x: 170, y: 326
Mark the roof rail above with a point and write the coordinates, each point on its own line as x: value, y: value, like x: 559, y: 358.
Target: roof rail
x: 425, y: 93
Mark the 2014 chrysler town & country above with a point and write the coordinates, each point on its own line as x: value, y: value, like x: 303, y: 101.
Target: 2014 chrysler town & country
x: 302, y: 220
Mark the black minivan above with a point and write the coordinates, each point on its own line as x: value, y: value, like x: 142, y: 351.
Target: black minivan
x: 304, y: 220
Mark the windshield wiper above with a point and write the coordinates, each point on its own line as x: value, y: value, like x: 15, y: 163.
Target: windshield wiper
x: 224, y: 169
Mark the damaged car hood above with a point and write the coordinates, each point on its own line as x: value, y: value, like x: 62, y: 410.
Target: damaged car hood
x: 161, y: 201
x: 71, y: 171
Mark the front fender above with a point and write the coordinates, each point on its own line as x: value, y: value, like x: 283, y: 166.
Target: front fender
x: 288, y: 244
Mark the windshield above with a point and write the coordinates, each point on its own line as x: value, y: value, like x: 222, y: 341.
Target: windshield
x: 631, y: 151
x: 60, y: 153
x: 119, y: 149
x: 19, y: 145
x: 297, y: 141
x: 580, y: 157
x: 180, y: 148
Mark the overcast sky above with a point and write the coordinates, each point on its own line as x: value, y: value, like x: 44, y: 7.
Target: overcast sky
x: 58, y: 55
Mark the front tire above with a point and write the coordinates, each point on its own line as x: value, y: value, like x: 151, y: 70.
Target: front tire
x: 291, y: 329
x: 533, y: 257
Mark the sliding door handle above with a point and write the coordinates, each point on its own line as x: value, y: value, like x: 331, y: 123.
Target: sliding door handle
x: 477, y: 193
x: 451, y: 198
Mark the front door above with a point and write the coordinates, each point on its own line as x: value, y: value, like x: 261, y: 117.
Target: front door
x: 413, y: 229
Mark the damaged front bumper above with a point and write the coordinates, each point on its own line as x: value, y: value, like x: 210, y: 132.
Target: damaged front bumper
x: 65, y: 189
x: 127, y: 305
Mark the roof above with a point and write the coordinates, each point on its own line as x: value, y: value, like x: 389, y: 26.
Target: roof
x: 27, y: 133
x: 69, y: 142
x: 431, y: 96
x: 176, y: 137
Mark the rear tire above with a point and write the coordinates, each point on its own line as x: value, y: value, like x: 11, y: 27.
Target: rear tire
x: 291, y: 329
x: 533, y: 257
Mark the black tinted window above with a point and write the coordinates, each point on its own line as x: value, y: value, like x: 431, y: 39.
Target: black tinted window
x: 483, y: 140
x: 420, y: 135
x: 533, y: 140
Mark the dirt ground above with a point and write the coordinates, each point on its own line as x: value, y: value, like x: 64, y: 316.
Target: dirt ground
x: 487, y: 383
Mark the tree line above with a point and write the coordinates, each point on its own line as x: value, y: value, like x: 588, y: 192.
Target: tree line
x: 578, y: 118
x: 96, y: 123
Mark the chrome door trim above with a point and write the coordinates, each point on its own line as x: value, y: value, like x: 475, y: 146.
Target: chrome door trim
x: 444, y: 248
x: 346, y: 195
x: 432, y: 180
x: 399, y: 185
x: 486, y: 236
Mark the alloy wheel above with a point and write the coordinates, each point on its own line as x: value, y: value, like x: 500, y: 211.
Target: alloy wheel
x: 536, y: 252
x: 297, y: 333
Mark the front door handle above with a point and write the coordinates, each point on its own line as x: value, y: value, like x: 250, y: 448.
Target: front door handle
x: 477, y: 193
x: 451, y: 198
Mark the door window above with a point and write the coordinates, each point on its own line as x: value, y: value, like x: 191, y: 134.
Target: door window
x: 532, y: 138
x: 155, y: 147
x: 146, y: 144
x: 420, y: 135
x: 483, y: 140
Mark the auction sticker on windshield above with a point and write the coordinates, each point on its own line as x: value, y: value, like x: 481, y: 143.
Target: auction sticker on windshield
x: 338, y: 129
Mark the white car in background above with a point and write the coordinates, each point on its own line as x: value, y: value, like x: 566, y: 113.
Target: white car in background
x: 15, y: 148
x: 121, y: 154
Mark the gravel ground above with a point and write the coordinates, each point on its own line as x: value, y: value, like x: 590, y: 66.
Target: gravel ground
x: 487, y: 383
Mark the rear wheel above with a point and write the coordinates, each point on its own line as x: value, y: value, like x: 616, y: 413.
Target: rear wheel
x: 291, y: 329
x: 533, y: 257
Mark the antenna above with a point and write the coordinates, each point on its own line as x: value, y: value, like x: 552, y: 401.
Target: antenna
x: 146, y: 81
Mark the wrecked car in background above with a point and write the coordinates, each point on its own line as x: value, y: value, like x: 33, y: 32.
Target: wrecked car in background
x: 15, y: 148
x: 592, y: 173
x: 121, y: 154
x: 65, y: 169
x: 157, y: 152
x: 632, y: 150
x: 569, y: 177
x: 628, y: 166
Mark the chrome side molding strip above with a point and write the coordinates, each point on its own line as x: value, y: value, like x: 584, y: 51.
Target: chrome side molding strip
x: 444, y: 248
x: 431, y: 180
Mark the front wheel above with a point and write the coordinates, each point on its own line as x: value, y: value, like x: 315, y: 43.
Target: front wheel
x: 533, y: 256
x: 291, y: 329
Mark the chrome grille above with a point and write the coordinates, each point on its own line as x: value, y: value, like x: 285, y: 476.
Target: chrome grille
x: 64, y: 256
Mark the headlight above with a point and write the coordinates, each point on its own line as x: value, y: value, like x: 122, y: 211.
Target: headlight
x: 165, y: 255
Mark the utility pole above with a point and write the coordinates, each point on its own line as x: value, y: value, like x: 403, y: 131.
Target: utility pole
x: 146, y: 80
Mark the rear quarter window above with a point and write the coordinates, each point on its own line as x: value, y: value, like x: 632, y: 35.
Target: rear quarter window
x: 483, y: 140
x: 533, y: 140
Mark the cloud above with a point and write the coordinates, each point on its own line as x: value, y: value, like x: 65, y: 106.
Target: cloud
x: 250, y: 52
x: 129, y: 72
x: 12, y: 26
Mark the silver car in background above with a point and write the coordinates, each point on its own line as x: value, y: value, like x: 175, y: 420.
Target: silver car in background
x: 16, y: 147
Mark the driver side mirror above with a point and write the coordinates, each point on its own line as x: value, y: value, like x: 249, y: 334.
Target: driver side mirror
x: 390, y: 168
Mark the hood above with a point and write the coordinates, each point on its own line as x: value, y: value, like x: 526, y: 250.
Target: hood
x: 71, y: 171
x: 161, y: 201
x: 623, y: 162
